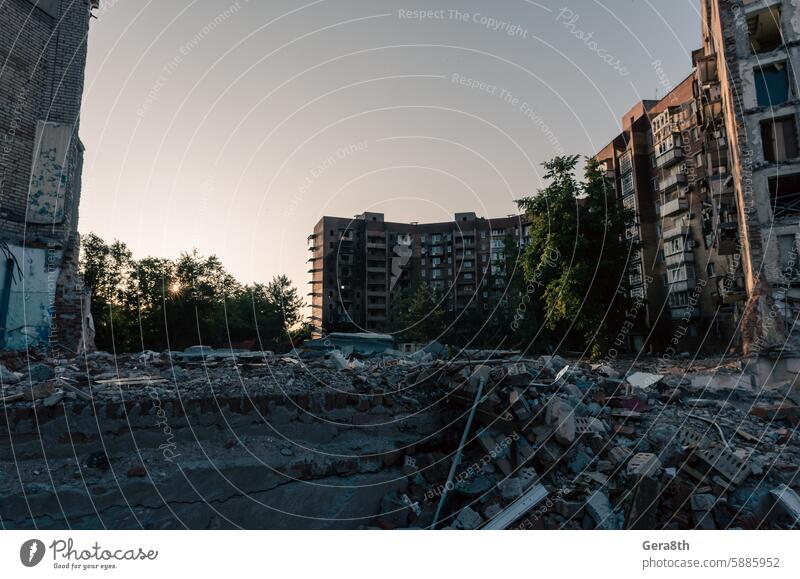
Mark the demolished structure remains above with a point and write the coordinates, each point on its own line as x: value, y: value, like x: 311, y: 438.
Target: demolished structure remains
x: 43, y: 55
x: 320, y: 439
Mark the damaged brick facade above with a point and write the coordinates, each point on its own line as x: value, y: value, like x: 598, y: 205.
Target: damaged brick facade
x: 43, y: 57
x: 756, y: 45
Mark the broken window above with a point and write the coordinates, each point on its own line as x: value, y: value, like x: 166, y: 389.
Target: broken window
x: 787, y: 254
x: 772, y: 84
x: 779, y: 138
x: 784, y: 193
x: 765, y: 30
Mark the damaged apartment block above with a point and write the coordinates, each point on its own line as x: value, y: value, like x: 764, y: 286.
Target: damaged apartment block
x: 751, y: 46
x: 43, y: 50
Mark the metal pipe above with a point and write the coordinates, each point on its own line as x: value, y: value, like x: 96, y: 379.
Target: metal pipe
x: 459, y: 452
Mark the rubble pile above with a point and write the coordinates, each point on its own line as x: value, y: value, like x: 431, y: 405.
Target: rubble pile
x: 354, y: 434
x: 567, y: 445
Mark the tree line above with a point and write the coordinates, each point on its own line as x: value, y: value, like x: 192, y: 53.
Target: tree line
x: 156, y: 303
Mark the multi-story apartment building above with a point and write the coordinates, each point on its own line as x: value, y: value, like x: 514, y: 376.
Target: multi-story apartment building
x: 665, y: 172
x: 358, y: 264
x: 752, y: 48
x: 42, y: 61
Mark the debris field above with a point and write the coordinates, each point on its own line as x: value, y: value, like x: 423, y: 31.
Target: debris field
x: 357, y: 436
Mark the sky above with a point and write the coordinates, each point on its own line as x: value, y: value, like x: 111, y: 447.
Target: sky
x: 233, y: 126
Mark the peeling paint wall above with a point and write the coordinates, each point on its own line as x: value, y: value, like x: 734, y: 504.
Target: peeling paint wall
x: 31, y: 301
x: 49, y: 173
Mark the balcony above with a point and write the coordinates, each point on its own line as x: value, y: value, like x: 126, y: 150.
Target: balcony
x: 707, y: 69
x: 669, y: 158
x: 679, y: 258
x: 675, y: 232
x: 676, y: 180
x: 731, y: 289
x: 720, y: 184
x: 674, y: 206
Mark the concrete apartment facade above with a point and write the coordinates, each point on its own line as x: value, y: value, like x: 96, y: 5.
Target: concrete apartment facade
x: 42, y: 62
x: 755, y: 47
x: 665, y: 171
x: 359, y: 263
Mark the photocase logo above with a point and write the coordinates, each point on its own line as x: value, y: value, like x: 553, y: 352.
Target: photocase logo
x: 32, y: 552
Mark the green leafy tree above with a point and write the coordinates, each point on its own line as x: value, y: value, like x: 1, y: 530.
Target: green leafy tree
x: 578, y: 256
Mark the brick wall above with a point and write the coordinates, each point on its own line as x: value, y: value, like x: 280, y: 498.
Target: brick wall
x: 42, y: 62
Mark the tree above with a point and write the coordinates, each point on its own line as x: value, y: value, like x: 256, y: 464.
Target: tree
x: 285, y: 297
x: 106, y: 269
x: 578, y: 256
x: 425, y: 318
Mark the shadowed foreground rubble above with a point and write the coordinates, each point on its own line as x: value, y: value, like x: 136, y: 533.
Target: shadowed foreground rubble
x: 208, y: 439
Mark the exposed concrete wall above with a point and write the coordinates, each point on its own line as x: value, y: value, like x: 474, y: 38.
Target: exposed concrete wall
x: 772, y: 302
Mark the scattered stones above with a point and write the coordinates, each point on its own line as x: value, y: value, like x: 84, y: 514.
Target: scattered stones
x: 7, y: 377
x: 40, y: 372
x: 654, y: 449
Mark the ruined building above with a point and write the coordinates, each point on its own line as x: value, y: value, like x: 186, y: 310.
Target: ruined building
x: 358, y: 263
x: 750, y: 47
x: 42, y: 61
